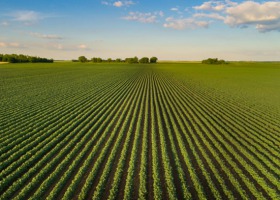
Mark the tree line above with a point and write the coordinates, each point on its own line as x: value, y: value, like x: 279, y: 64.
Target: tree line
x: 144, y: 60
x: 214, y: 61
x: 14, y: 58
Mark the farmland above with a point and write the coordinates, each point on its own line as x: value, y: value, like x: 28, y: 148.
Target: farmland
x: 155, y: 131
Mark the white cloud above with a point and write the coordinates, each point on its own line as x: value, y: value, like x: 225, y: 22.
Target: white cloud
x: 211, y: 6
x: 209, y: 15
x: 118, y: 4
x: 4, y: 23
x: 185, y: 23
x: 27, y: 17
x: 67, y: 47
x: 143, y: 17
x: 122, y: 3
x: 3, y: 44
x: 105, y: 3
x: 10, y: 45
x: 83, y: 47
x: 46, y: 36
x: 265, y: 17
x: 174, y: 9
x: 160, y: 13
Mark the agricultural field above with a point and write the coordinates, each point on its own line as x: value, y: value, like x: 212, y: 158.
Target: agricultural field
x: 154, y: 131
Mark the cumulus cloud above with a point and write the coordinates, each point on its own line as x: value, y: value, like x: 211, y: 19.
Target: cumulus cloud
x: 143, y: 17
x: 118, y: 4
x: 46, y: 36
x: 265, y: 17
x: 209, y: 15
x: 211, y: 6
x: 186, y: 23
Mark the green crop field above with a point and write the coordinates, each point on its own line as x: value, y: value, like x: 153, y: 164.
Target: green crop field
x: 155, y: 131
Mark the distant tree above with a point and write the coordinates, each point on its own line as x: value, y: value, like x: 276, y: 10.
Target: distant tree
x: 118, y: 60
x: 213, y: 61
x: 32, y: 59
x: 94, y: 60
x: 1, y: 57
x: 131, y: 60
x: 99, y: 60
x: 144, y: 60
x: 153, y: 60
x: 82, y: 59
x: 135, y: 59
x: 109, y: 60
x: 14, y: 58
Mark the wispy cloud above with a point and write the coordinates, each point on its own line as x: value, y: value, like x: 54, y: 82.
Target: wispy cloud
x: 27, y: 17
x: 209, y: 16
x: 174, y: 9
x: 144, y: 17
x: 67, y: 47
x: 211, y: 6
x: 58, y: 46
x: 123, y: 3
x: 83, y: 47
x: 10, y: 45
x: 118, y: 4
x: 185, y: 23
x: 159, y: 13
x: 46, y: 36
x: 141, y: 17
x: 106, y: 3
x: 4, y: 23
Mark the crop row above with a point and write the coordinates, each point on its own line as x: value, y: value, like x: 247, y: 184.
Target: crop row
x: 144, y: 133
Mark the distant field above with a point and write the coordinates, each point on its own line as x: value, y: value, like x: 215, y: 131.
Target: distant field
x: 119, y: 131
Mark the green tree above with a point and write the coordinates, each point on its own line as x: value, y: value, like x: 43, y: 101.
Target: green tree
x: 144, y: 60
x: 213, y: 61
x: 82, y: 59
x: 99, y: 60
x: 131, y: 60
x: 135, y: 59
x: 94, y: 60
x: 153, y: 60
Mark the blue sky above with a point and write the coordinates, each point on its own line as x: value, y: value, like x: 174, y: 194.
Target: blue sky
x: 168, y: 29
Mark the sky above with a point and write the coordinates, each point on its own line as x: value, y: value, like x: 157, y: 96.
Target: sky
x: 167, y: 29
